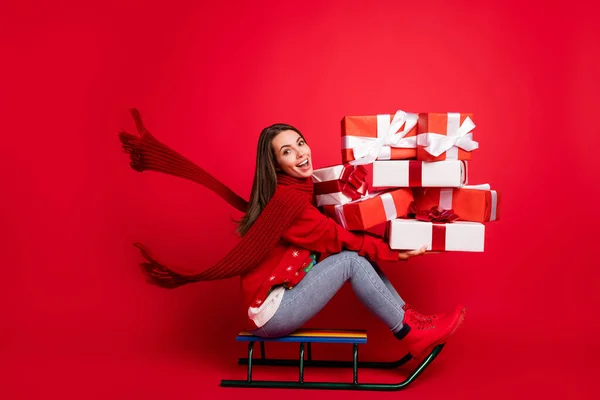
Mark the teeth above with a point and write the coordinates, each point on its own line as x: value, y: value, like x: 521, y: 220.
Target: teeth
x: 303, y: 164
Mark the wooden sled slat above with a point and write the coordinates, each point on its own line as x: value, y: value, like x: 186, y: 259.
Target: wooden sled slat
x: 311, y: 336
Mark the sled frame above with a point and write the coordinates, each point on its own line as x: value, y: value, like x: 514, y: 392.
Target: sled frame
x: 305, y: 338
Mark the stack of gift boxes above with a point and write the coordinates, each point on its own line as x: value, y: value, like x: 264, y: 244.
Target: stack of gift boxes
x: 419, y: 177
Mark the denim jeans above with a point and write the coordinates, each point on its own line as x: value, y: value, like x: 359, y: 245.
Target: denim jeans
x: 322, y: 282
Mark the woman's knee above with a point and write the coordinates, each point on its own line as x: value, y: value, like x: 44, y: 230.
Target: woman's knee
x: 353, y: 255
x: 358, y: 261
x: 354, y: 261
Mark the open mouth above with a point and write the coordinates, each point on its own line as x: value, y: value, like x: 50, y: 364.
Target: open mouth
x: 303, y: 164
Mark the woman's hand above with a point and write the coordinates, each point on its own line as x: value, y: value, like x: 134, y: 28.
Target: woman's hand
x: 405, y: 255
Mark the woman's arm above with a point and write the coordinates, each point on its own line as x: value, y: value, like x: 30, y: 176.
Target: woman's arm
x: 314, y: 231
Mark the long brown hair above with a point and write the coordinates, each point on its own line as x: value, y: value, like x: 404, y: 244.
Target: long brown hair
x: 265, y: 175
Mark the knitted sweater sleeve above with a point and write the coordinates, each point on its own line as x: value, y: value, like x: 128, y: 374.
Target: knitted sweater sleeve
x: 316, y: 232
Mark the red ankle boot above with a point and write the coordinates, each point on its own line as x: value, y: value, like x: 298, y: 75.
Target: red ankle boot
x: 422, y: 332
x: 422, y: 317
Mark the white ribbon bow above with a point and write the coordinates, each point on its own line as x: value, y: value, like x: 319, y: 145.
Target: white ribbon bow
x: 367, y: 150
x: 457, y: 136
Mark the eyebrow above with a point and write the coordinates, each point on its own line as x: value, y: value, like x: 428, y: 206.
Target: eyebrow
x: 288, y: 145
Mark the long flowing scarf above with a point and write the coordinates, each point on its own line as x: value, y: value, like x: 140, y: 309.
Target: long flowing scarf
x: 291, y: 197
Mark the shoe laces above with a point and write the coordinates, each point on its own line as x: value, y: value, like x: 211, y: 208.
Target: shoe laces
x: 421, y: 321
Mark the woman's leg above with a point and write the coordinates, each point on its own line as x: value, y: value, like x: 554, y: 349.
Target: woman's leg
x: 322, y: 282
x: 388, y: 284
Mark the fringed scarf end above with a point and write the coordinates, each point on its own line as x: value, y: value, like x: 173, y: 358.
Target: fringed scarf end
x: 131, y: 145
x: 159, y: 275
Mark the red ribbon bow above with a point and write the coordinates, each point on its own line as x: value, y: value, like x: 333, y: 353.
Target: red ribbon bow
x: 351, y: 183
x: 434, y: 214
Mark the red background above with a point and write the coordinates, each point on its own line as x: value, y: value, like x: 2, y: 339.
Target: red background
x: 77, y: 319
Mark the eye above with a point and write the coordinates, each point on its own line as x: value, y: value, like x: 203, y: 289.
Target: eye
x: 286, y: 152
x: 301, y: 142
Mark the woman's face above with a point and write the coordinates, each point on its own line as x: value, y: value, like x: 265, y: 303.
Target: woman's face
x: 292, y: 154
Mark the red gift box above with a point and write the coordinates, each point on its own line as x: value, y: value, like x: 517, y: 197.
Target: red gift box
x: 379, y: 137
x: 372, y: 210
x: 471, y: 203
x: 445, y: 136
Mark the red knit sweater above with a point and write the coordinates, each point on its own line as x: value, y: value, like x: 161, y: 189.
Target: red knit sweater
x: 311, y: 232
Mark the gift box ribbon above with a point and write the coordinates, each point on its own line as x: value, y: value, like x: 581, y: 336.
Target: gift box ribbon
x: 438, y: 237
x: 439, y: 218
x: 351, y: 182
x: 341, y: 218
x: 366, y: 149
x: 434, y: 214
x: 415, y: 173
x: 457, y: 135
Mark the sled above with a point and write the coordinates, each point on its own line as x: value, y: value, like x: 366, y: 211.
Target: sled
x: 306, y: 337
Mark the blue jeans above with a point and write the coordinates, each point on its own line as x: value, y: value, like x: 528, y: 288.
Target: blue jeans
x: 322, y: 282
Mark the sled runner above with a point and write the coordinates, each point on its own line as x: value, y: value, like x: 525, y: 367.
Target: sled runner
x: 308, y: 336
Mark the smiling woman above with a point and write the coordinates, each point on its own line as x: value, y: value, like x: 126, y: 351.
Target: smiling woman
x: 292, y: 154
x: 292, y: 259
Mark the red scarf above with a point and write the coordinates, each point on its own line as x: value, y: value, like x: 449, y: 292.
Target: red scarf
x: 291, y: 197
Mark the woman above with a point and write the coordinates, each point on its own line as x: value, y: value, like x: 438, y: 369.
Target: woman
x: 292, y: 259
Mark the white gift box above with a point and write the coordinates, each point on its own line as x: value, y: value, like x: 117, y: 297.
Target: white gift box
x: 413, y: 173
x: 412, y: 234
